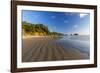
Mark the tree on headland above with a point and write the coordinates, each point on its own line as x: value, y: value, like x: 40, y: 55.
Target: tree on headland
x: 76, y: 34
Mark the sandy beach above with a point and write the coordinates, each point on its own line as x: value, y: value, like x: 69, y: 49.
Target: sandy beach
x: 35, y: 49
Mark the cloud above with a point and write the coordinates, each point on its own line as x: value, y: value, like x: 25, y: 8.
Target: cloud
x: 82, y: 15
x: 75, y: 26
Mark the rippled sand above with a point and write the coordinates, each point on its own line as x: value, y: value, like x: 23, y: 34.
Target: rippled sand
x: 36, y: 49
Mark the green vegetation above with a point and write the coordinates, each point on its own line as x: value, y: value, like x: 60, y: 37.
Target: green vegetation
x: 37, y: 29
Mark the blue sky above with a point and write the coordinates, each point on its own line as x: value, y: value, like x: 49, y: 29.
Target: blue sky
x: 63, y: 22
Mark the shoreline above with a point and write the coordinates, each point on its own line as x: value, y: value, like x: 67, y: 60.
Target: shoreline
x: 25, y: 37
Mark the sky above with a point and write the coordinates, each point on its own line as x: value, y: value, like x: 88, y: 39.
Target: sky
x: 63, y: 22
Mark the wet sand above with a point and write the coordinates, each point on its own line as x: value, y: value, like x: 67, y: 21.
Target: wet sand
x: 35, y: 49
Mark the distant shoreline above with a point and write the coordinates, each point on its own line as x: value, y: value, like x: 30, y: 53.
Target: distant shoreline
x: 31, y: 36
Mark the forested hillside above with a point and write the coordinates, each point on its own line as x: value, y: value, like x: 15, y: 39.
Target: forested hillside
x: 37, y: 29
